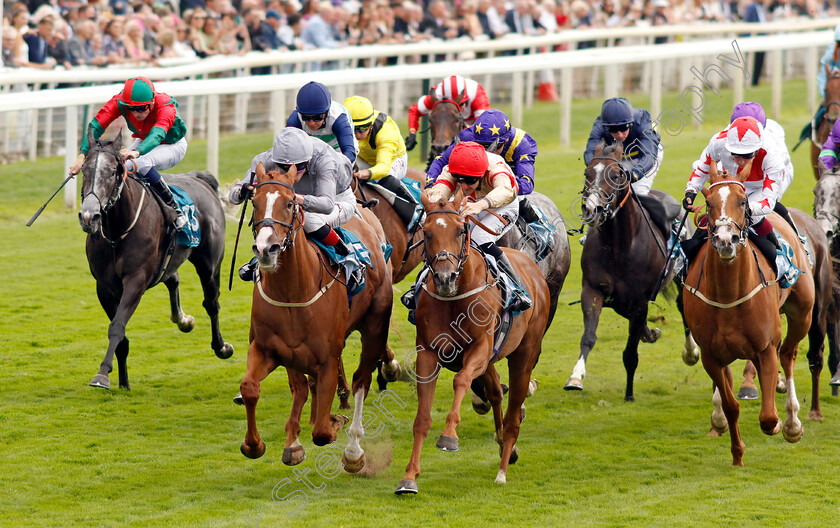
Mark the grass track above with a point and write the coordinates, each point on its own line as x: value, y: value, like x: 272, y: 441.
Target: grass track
x: 167, y: 453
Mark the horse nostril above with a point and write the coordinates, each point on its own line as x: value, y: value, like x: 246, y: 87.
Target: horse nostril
x: 274, y: 248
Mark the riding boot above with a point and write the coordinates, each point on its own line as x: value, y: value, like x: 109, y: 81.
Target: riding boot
x: 519, y: 300
x: 162, y: 190
x: 527, y: 211
x: 782, y: 211
x: 405, y: 205
x: 327, y: 236
x: 248, y: 271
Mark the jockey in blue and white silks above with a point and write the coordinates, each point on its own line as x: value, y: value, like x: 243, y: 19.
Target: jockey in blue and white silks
x: 318, y: 115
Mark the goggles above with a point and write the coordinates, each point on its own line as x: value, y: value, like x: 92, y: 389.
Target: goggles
x: 612, y: 129
x: 361, y: 129
x: 313, y: 117
x: 469, y: 180
x: 286, y: 166
x: 749, y: 155
x: 138, y: 109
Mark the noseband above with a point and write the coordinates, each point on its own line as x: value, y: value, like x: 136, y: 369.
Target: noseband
x: 116, y: 191
x: 291, y: 232
x: 447, y: 255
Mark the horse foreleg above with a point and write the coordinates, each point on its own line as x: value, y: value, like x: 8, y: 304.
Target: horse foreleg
x: 326, y: 425
x: 591, y: 304
x: 293, y: 452
x: 748, y: 390
x: 427, y: 362
x: 475, y: 364
x: 724, y: 388
x: 792, y: 429
x: 691, y: 352
x: 259, y: 365
x: 492, y: 390
x: 816, y: 340
x: 768, y: 373
x: 132, y: 292
x: 520, y: 378
x: 630, y: 357
x: 834, y: 349
x: 208, y: 274
x: 185, y: 322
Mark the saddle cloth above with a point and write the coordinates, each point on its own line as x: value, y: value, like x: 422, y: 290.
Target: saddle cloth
x: 536, y: 233
x: 190, y: 235
x: 663, y: 209
x: 359, y: 256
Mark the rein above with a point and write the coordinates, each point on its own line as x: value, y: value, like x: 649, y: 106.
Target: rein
x: 446, y: 255
x: 291, y: 231
x: 133, y: 222
x: 610, y: 213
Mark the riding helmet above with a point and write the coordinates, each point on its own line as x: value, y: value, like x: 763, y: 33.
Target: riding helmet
x: 292, y: 145
x: 468, y: 158
x: 137, y: 91
x: 453, y: 86
x: 744, y: 136
x: 749, y: 109
x: 313, y: 98
x: 361, y: 110
x: 490, y: 126
x: 616, y: 111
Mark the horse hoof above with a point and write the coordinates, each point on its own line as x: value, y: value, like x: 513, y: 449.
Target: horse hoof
x: 391, y: 370
x: 654, y: 335
x: 690, y: 358
x: 186, y: 324
x: 353, y: 466
x: 514, y: 454
x: 781, y: 386
x: 835, y: 381
x: 816, y: 416
x: 406, y: 487
x: 794, y: 435
x: 238, y: 399
x: 447, y: 443
x: 293, y: 456
x: 225, y: 352
x: 501, y: 477
x: 573, y: 384
x: 774, y: 431
x: 480, y: 406
x: 253, y: 452
x: 748, y: 393
x: 715, y: 432
x: 338, y: 421
x: 101, y: 381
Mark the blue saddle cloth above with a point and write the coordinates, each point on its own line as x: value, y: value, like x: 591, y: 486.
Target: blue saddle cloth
x: 359, y: 256
x: 540, y: 233
x: 413, y: 187
x: 190, y: 236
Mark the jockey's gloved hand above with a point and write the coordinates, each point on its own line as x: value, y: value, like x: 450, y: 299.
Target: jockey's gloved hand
x: 688, y: 201
x: 411, y: 141
x: 246, y: 192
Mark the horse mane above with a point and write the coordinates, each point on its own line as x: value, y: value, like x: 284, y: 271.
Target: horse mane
x: 611, y: 148
x: 208, y: 178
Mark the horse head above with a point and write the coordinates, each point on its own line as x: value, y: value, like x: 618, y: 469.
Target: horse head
x: 728, y: 210
x: 606, y: 184
x: 277, y: 215
x: 832, y: 100
x: 445, y: 122
x: 446, y: 241
x: 103, y: 177
x: 826, y: 200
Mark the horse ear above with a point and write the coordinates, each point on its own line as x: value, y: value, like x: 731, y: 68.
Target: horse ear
x: 424, y: 199
x: 261, y: 174
x: 705, y: 191
x: 90, y: 139
x: 118, y: 141
x: 619, y: 150
x: 459, y: 199
x: 433, y: 95
x: 291, y: 175
x: 744, y: 173
x: 714, y: 176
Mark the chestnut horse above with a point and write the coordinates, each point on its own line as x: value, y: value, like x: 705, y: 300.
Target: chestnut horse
x: 457, y: 313
x: 733, y: 311
x: 832, y: 112
x: 127, y: 246
x: 622, y: 258
x: 300, y: 318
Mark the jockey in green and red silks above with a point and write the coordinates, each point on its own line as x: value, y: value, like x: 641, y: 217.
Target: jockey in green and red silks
x: 158, y: 130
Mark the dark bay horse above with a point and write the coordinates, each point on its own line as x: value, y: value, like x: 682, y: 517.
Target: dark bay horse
x: 457, y: 313
x: 827, y: 214
x: 299, y: 290
x: 831, y: 101
x: 445, y: 122
x: 622, y: 258
x: 127, y: 243
x: 733, y: 311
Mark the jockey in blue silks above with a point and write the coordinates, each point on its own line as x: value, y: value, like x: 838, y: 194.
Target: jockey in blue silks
x: 829, y: 67
x: 318, y: 115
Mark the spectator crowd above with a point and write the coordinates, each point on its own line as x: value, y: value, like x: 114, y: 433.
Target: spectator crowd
x: 72, y: 33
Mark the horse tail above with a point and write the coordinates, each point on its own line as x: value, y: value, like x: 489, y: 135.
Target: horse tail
x: 207, y: 178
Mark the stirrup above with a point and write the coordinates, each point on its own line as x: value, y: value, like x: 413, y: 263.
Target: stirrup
x: 180, y: 221
x: 520, y: 302
x: 247, y: 271
x: 582, y: 239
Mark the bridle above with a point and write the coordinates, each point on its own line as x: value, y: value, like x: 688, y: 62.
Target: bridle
x: 291, y: 230
x: 442, y: 255
x: 727, y: 222
x: 461, y: 121
x: 117, y: 190
x: 609, y: 212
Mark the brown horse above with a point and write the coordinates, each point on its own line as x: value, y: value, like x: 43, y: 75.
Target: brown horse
x: 831, y: 102
x: 622, y: 258
x: 457, y: 298
x: 127, y: 246
x: 298, y: 291
x: 733, y: 311
x: 823, y: 318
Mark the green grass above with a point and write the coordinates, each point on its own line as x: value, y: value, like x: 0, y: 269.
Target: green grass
x: 167, y: 453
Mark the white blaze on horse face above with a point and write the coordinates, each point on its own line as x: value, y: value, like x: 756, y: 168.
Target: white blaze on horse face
x: 593, y: 200
x: 441, y: 222
x: 265, y: 232
x: 723, y: 223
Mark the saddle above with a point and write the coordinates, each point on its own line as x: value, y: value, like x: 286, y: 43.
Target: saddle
x: 663, y: 209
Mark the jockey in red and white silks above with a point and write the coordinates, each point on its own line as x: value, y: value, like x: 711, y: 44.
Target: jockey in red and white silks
x: 466, y: 92
x: 744, y: 138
